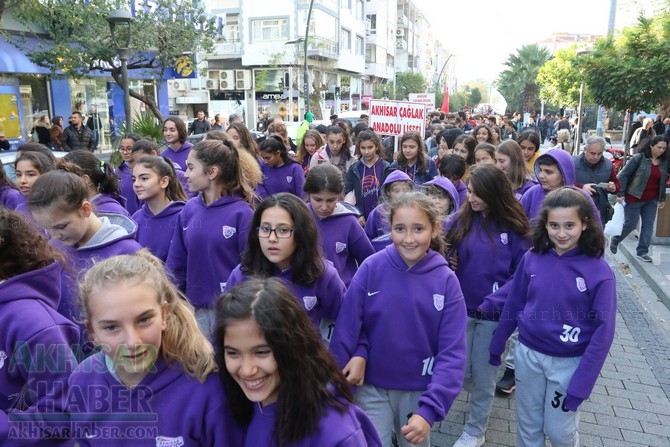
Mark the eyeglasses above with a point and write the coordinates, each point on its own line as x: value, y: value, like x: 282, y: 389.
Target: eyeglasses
x: 280, y: 232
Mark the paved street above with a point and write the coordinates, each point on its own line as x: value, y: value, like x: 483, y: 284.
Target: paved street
x: 630, y: 403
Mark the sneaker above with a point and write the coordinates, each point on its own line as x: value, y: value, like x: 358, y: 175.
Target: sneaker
x: 467, y: 440
x: 614, y: 246
x: 645, y: 258
x: 506, y: 384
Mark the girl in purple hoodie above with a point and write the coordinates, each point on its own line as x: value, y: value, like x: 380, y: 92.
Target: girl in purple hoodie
x: 58, y: 201
x: 487, y: 238
x: 36, y: 355
x: 283, y: 387
x: 153, y: 381
x: 10, y: 197
x: 281, y: 173
x: 563, y: 301
x: 212, y: 228
x: 101, y: 181
x: 342, y: 238
x: 156, y: 184
x: 284, y: 244
x: 407, y: 383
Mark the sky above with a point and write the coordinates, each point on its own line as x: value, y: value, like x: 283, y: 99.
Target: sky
x: 482, y: 34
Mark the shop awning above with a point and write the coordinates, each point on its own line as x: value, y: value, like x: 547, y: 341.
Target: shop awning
x: 12, y: 60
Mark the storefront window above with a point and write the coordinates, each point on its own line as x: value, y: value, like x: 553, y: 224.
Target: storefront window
x: 89, y: 96
x: 33, y: 102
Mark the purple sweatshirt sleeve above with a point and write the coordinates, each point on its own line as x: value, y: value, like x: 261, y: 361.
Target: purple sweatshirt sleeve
x: 516, y: 300
x: 331, y: 293
x: 593, y: 359
x: 176, y: 259
x: 359, y: 245
x: 449, y: 364
x: 348, y: 338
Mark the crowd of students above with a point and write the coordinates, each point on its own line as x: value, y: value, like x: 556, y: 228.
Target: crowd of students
x: 226, y: 293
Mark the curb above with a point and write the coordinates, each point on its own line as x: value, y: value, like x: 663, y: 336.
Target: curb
x: 652, y: 276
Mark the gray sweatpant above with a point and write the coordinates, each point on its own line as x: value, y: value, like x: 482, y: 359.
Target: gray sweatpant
x: 541, y: 384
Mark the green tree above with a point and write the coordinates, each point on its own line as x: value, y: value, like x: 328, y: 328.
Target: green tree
x: 517, y: 83
x: 560, y: 80
x: 475, y: 97
x: 78, y: 38
x: 409, y: 82
x: 633, y: 70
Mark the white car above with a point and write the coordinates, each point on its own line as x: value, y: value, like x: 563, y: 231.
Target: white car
x: 8, y: 159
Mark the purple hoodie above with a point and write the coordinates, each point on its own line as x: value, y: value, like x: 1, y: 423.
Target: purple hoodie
x: 524, y: 188
x: 532, y: 200
x: 349, y: 429
x: 10, y: 198
x: 321, y: 299
x: 180, y: 155
x: 564, y: 306
x: 462, y: 190
x: 36, y: 355
x: 412, y: 341
x: 167, y: 408
x: 343, y: 240
x: 107, y: 204
x: 155, y: 231
x: 446, y: 185
x: 288, y: 177
x: 116, y: 236
x: 206, y: 246
x: 377, y: 222
x: 125, y: 174
x: 502, y: 250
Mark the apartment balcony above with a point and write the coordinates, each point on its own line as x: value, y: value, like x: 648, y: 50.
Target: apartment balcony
x: 322, y: 49
x: 228, y: 48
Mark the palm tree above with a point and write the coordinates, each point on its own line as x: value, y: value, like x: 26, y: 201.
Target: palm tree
x: 517, y: 83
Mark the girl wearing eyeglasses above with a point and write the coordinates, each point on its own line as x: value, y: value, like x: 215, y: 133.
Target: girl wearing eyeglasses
x: 284, y: 243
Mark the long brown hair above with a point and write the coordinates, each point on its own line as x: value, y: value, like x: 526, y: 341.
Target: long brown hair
x: 492, y: 186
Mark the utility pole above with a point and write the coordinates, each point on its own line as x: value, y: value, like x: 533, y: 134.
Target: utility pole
x: 600, y: 125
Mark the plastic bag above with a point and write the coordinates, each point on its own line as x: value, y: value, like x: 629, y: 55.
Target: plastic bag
x: 615, y: 226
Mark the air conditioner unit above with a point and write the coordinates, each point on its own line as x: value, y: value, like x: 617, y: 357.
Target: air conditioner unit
x: 400, y: 33
x: 212, y: 84
x: 242, y: 79
x: 401, y: 44
x: 179, y: 85
x: 227, y: 79
x: 213, y: 74
x: 227, y: 75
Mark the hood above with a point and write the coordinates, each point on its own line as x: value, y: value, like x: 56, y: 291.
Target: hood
x: 160, y: 377
x: 341, y: 209
x: 114, y: 227
x: 223, y: 201
x: 432, y: 261
x: 101, y: 199
x: 445, y: 184
x: 565, y: 163
x: 41, y: 124
x: 184, y: 147
x: 172, y: 209
x: 395, y: 176
x: 41, y: 284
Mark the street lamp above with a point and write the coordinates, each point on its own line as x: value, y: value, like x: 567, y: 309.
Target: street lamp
x: 119, y: 26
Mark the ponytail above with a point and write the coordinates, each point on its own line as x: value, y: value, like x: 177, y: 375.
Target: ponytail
x: 163, y: 167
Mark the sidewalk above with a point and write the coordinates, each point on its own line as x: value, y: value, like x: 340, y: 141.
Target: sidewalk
x: 630, y: 403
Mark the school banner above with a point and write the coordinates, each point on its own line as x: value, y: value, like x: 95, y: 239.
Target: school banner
x: 397, y: 117
x: 428, y: 99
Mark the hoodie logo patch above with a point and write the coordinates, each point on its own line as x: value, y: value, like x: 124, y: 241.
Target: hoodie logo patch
x: 289, y: 179
x: 504, y: 238
x: 228, y: 232
x: 164, y: 441
x: 340, y: 247
x: 438, y: 301
x: 581, y: 284
x: 3, y: 357
x: 310, y: 302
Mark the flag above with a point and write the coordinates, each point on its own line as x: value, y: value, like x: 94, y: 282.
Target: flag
x: 445, y: 101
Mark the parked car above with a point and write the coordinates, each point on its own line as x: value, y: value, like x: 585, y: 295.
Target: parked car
x: 8, y: 159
